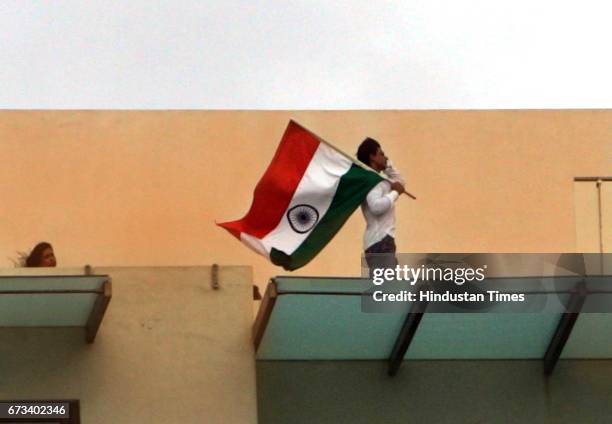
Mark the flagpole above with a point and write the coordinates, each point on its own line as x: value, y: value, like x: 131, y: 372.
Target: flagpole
x: 352, y: 159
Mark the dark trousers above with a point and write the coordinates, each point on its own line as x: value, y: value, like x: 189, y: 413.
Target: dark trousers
x: 381, y: 254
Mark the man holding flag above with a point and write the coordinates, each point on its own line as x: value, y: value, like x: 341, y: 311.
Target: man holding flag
x: 306, y: 195
x: 303, y: 199
x: 379, y: 207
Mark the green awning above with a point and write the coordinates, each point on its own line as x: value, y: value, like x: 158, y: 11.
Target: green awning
x: 54, y: 301
x: 315, y: 318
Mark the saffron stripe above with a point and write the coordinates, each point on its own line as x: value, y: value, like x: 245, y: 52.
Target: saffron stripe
x: 275, y: 190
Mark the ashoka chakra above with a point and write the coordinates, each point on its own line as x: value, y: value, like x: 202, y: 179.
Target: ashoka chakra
x: 302, y: 218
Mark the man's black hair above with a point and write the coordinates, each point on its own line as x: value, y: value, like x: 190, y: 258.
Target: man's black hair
x: 368, y: 147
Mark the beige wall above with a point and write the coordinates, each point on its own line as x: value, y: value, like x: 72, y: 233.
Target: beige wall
x: 145, y: 188
x: 593, y: 216
x: 170, y: 350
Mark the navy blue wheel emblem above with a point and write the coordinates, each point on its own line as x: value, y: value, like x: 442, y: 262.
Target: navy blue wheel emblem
x: 302, y: 218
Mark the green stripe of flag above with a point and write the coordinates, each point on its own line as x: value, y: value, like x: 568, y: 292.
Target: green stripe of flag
x: 352, y: 190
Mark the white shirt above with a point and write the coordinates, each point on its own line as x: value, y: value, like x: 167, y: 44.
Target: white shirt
x: 379, y: 209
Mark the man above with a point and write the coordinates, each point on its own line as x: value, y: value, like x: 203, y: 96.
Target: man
x: 379, y: 208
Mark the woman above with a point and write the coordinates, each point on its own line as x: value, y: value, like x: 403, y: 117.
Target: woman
x: 41, y: 256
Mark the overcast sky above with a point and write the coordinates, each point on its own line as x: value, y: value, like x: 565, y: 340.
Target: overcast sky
x: 228, y: 54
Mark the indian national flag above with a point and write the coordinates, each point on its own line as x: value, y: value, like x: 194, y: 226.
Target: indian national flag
x: 305, y: 196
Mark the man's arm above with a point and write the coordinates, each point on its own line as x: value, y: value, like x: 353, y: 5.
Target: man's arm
x: 379, y: 203
x: 394, y: 174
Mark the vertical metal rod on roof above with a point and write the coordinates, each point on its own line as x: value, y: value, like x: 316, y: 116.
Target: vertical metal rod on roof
x: 601, y: 248
x: 214, y: 280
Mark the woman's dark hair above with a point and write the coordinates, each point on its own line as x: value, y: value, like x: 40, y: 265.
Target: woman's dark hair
x: 35, y: 257
x: 368, y: 147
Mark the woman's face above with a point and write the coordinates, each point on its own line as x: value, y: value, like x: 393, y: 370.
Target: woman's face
x: 48, y: 258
